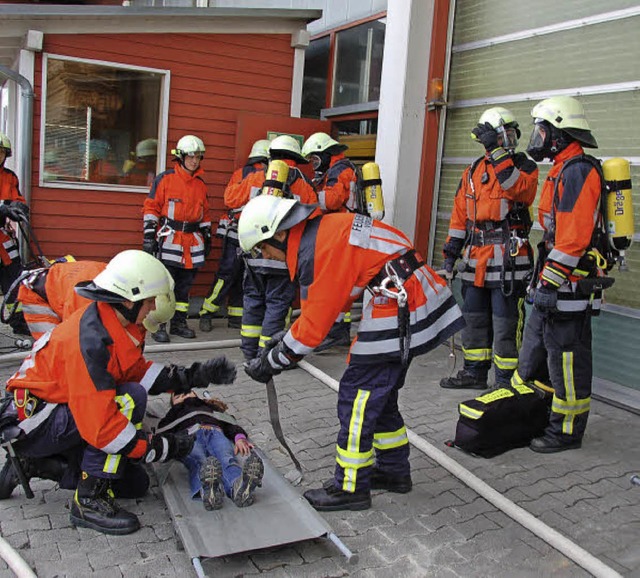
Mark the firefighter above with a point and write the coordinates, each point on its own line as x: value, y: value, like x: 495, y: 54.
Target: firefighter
x: 267, y: 290
x: 335, y: 182
x: 13, y: 208
x: 489, y: 230
x: 558, y: 331
x: 142, y: 171
x: 177, y: 227
x: 336, y: 257
x: 82, y: 393
x: 227, y: 284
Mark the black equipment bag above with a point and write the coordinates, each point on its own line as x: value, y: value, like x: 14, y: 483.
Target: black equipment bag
x: 503, y: 419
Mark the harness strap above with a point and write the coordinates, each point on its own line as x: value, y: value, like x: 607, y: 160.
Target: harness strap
x: 215, y: 414
x: 183, y: 226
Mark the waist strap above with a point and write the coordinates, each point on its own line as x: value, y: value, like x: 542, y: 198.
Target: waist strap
x: 481, y: 238
x: 402, y: 266
x: 183, y: 226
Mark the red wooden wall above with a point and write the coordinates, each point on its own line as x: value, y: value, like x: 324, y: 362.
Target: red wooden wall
x: 214, y: 79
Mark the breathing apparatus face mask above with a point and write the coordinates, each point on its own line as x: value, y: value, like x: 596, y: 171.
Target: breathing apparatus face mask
x: 509, y: 136
x: 539, y: 146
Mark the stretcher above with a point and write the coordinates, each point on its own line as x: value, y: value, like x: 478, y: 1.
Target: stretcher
x: 279, y: 515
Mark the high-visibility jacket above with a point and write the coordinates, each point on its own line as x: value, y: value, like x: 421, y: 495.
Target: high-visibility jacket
x: 568, y: 222
x: 486, y: 194
x: 335, y: 256
x: 48, y: 296
x: 337, y: 188
x: 80, y: 363
x: 180, y: 197
x: 9, y: 191
x: 297, y: 187
x: 237, y: 194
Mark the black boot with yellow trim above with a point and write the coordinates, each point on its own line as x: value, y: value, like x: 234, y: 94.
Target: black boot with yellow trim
x: 330, y: 498
x: 94, y: 506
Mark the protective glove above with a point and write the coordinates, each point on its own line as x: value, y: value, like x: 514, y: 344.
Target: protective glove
x: 4, y: 210
x: 206, y: 238
x: 150, y: 246
x: 275, y: 358
x: 217, y: 370
x: 449, y: 268
x: 545, y: 299
x: 169, y: 446
x: 150, y: 241
x: 18, y: 211
x: 486, y: 135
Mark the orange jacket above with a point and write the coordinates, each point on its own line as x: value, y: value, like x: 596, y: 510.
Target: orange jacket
x: 334, y: 257
x: 9, y: 191
x: 48, y: 296
x: 480, y: 205
x: 336, y: 189
x: 80, y: 363
x: 182, y: 197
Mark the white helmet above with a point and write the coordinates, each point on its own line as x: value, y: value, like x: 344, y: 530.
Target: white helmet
x: 165, y: 308
x: 501, y: 120
x: 567, y: 114
x: 260, y: 149
x: 265, y: 215
x: 285, y: 146
x: 189, y: 145
x: 320, y: 142
x: 5, y: 144
x: 147, y: 148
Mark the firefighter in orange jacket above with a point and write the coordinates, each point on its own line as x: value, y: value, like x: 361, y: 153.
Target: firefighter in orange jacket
x: 335, y: 183
x: 558, y: 332
x: 13, y: 207
x: 336, y: 257
x: 227, y: 284
x: 177, y: 226
x: 83, y: 390
x: 489, y: 229
x: 267, y: 290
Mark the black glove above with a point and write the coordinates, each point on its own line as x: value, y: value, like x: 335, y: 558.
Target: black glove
x: 486, y: 135
x: 545, y: 299
x: 4, y: 210
x: 449, y: 268
x: 169, y: 447
x: 150, y: 241
x: 150, y: 246
x: 206, y: 238
x: 216, y: 370
x: 18, y: 211
x: 275, y: 358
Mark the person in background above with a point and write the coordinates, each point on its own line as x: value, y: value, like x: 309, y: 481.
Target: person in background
x: 227, y: 283
x: 177, y: 227
x: 488, y: 231
x: 142, y: 171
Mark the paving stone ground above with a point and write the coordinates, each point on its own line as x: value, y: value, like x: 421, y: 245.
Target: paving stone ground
x: 441, y: 529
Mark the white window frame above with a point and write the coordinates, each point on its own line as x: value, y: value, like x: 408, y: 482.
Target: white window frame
x: 163, y: 122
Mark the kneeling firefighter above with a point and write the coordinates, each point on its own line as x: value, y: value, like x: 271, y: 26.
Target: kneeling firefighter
x: 489, y: 231
x: 571, y: 268
x: 80, y: 396
x: 411, y: 312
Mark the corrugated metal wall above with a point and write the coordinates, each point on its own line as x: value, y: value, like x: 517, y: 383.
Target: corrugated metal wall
x: 213, y: 79
x: 517, y: 53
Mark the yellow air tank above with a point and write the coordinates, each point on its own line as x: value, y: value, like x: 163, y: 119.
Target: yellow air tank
x: 617, y: 174
x: 372, y: 185
x: 275, y: 178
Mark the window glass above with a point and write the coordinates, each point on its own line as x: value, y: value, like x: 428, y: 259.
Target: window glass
x: 101, y: 123
x: 358, y: 64
x: 316, y: 70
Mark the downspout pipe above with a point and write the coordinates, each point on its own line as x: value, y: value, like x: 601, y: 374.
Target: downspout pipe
x: 25, y: 118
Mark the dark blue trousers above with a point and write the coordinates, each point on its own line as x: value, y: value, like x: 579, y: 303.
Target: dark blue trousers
x: 372, y: 430
x: 227, y: 284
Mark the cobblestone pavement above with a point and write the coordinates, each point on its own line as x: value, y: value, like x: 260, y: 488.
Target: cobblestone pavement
x: 441, y: 529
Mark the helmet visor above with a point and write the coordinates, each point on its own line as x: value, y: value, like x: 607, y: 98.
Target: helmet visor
x: 509, y: 136
x: 315, y: 160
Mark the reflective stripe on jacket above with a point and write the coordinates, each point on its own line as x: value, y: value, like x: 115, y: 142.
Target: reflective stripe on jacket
x: 9, y: 191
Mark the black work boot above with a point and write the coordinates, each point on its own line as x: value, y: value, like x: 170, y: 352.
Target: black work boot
x: 206, y: 322
x: 551, y: 445
x: 234, y: 322
x: 331, y: 499
x: 161, y: 335
x: 19, y: 325
x: 251, y: 478
x: 45, y: 468
x: 93, y: 506
x: 383, y: 481
x: 464, y: 380
x: 212, y: 488
x: 180, y: 328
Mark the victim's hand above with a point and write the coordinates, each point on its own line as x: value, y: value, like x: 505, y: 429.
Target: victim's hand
x: 243, y: 447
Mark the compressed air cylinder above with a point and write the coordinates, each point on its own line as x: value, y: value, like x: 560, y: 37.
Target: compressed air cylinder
x: 275, y: 178
x: 620, y: 227
x: 372, y: 184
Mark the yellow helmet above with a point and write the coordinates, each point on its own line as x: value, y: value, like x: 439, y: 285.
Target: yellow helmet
x: 285, y: 146
x: 320, y: 142
x: 567, y: 114
x: 147, y: 148
x: 189, y: 145
x: 5, y: 144
x: 260, y: 149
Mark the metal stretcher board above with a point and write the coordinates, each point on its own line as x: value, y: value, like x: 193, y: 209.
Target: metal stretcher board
x: 279, y: 515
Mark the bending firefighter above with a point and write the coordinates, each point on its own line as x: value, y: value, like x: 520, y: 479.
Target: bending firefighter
x: 227, y: 285
x: 80, y: 396
x: 177, y: 227
x: 411, y: 312
x: 488, y: 233
x: 568, y: 288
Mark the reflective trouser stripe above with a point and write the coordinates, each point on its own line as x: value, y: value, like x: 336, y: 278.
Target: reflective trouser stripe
x: 505, y: 362
x: 126, y: 405
x: 264, y: 339
x: 208, y: 305
x: 234, y: 311
x: 477, y: 354
x: 351, y: 459
x: 389, y: 440
x: 182, y: 306
x: 347, y: 317
x: 251, y: 331
x: 572, y: 406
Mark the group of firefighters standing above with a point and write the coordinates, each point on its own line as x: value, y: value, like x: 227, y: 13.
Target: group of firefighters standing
x: 284, y: 233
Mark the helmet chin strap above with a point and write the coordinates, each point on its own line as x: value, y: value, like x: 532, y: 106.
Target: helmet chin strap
x: 281, y: 245
x: 129, y: 314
